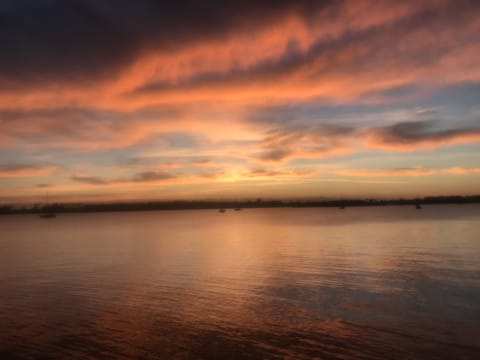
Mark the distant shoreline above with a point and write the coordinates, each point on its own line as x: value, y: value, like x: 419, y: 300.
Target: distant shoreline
x: 197, y: 205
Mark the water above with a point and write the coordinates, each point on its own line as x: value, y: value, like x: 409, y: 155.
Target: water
x: 373, y: 283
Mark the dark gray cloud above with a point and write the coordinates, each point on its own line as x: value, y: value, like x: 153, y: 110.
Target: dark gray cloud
x: 286, y: 141
x: 89, y: 180
x: 15, y: 167
x: 274, y: 155
x: 142, y: 177
x: 332, y: 51
x: 20, y: 167
x: 265, y: 172
x: 422, y: 132
x: 85, y: 113
x: 79, y: 40
x: 152, y: 176
x: 272, y: 69
x: 14, y: 170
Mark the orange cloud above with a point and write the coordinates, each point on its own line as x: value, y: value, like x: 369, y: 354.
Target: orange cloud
x: 463, y: 170
x: 202, y: 162
x: 292, y: 56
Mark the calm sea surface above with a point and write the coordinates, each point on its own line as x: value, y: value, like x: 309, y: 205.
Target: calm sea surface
x: 359, y: 283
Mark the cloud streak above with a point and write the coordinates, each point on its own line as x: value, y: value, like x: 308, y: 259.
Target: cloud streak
x: 414, y: 171
x: 389, y: 172
x: 30, y: 170
x: 278, y: 173
x: 407, y: 136
x: 141, y: 177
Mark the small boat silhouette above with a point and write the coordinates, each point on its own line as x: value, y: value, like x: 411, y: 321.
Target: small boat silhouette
x: 47, y: 214
x: 417, y: 203
x: 341, y: 205
x: 222, y: 210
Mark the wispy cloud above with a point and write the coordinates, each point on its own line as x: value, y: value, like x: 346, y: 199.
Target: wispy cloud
x: 152, y: 176
x: 141, y: 177
x: 285, y: 142
x: 420, y: 134
x: 390, y: 172
x: 414, y: 171
x: 278, y: 173
x: 91, y: 180
x: 18, y: 170
x: 463, y: 170
x: 202, y: 162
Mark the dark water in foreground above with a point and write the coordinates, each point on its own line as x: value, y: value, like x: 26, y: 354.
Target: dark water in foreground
x: 375, y: 283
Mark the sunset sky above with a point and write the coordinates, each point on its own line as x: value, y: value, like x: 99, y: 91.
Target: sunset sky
x: 133, y: 100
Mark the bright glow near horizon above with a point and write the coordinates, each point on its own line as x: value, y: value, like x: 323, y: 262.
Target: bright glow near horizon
x: 295, y: 99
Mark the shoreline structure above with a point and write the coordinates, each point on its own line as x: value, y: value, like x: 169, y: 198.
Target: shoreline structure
x: 208, y: 204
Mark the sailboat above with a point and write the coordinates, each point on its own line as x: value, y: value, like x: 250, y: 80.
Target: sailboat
x: 342, y: 204
x: 417, y: 203
x: 47, y: 214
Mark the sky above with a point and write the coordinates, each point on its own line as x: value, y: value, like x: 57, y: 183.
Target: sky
x: 145, y: 100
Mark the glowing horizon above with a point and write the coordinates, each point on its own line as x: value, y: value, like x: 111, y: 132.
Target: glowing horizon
x: 287, y: 100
